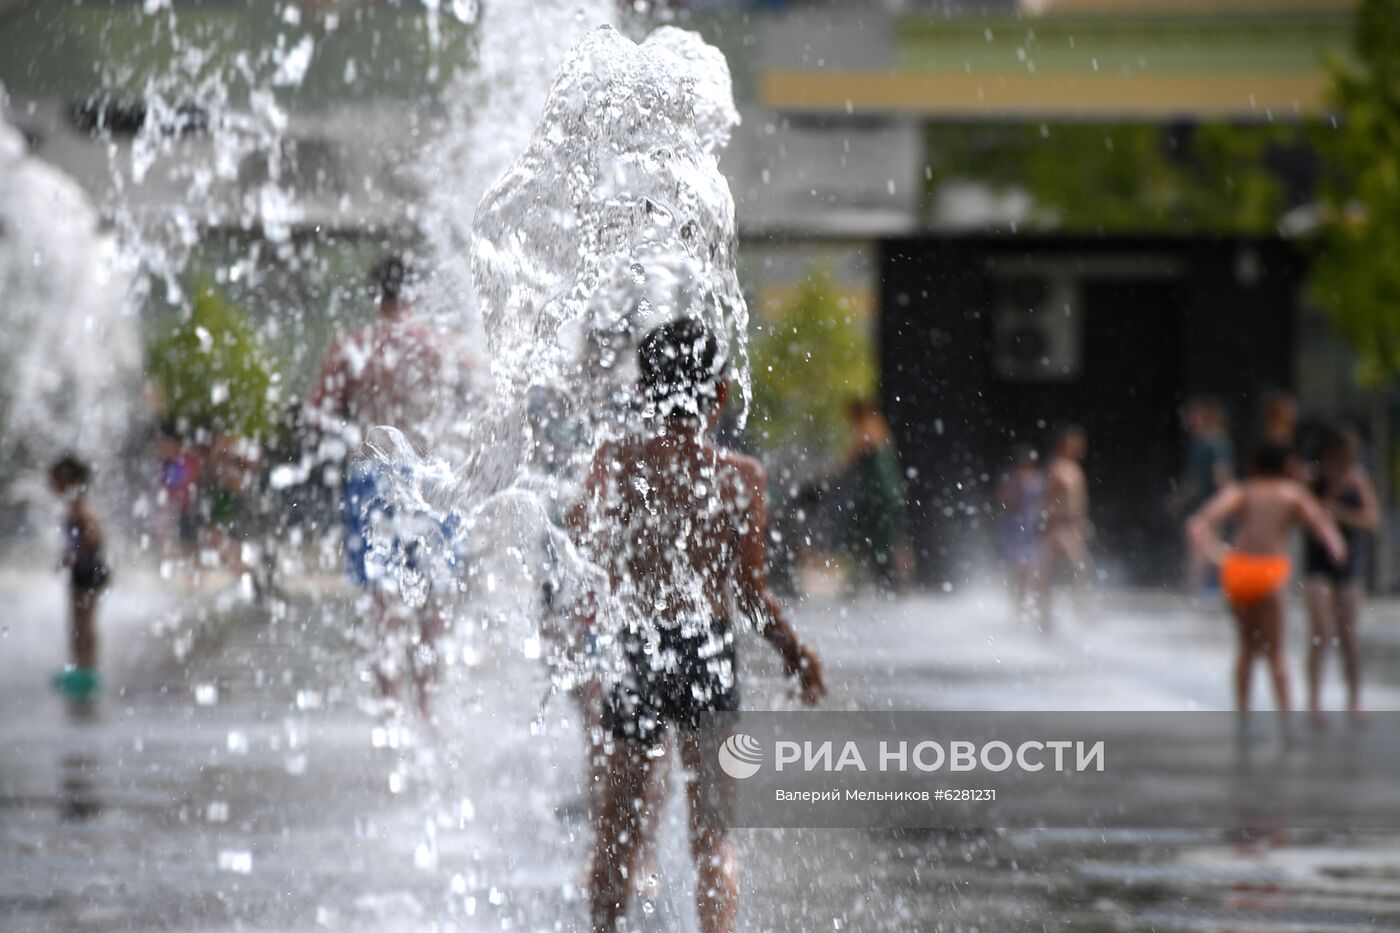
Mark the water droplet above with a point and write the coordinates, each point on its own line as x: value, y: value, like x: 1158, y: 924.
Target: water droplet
x: 466, y: 11
x: 238, y: 861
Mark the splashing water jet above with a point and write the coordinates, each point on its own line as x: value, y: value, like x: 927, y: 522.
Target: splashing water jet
x: 69, y: 348
x: 614, y: 219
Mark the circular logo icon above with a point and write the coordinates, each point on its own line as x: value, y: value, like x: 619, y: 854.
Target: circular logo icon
x: 740, y: 756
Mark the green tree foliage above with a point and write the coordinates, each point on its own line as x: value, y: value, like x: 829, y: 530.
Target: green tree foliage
x: 808, y: 360
x: 212, y: 370
x: 1356, y: 272
x: 1134, y: 177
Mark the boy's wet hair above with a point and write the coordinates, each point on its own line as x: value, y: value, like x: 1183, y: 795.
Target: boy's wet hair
x: 388, y: 276
x: 68, y: 471
x: 1270, y: 459
x: 679, y: 365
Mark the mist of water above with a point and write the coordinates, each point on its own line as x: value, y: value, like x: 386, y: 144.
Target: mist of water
x: 214, y: 136
x: 489, y: 112
x: 69, y: 347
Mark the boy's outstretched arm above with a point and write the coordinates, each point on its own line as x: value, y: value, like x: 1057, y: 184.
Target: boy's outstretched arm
x: 759, y: 604
x: 1202, y: 529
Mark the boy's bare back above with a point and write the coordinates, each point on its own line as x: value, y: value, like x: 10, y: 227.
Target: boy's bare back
x: 1268, y: 511
x: 1265, y: 511
x: 688, y: 517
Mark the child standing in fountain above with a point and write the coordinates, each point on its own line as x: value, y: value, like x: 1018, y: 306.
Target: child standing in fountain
x: 1333, y: 589
x: 408, y: 373
x: 1264, y: 510
x: 87, y: 575
x: 680, y: 523
x: 1022, y: 496
x: 1067, y: 529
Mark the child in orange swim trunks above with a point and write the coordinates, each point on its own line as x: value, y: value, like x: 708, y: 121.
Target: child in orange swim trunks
x: 1265, y: 510
x: 1247, y: 579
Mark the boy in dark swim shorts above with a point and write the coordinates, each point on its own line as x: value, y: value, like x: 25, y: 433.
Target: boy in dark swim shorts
x: 679, y: 522
x: 672, y: 678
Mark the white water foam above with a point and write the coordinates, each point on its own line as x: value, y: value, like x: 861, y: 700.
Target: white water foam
x: 490, y: 111
x: 70, y: 357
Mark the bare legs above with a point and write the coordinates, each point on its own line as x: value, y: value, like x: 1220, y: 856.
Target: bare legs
x: 1333, y: 608
x: 1348, y: 609
x: 1318, y: 596
x: 407, y: 648
x: 83, y: 635
x: 1065, y: 546
x: 618, y: 839
x: 1022, y: 578
x: 707, y: 792
x: 1261, y: 636
x: 628, y: 806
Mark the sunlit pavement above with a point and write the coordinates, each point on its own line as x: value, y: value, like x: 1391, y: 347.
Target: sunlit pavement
x: 244, y: 787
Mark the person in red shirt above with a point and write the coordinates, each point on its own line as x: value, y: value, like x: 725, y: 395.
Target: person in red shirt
x: 406, y: 373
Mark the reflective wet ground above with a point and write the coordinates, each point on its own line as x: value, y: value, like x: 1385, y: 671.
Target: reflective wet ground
x: 230, y: 779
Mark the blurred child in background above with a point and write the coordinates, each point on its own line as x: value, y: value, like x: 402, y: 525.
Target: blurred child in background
x: 1022, y: 497
x: 88, y: 575
x: 1333, y: 589
x: 1254, y: 567
x: 1210, y: 467
x: 875, y: 491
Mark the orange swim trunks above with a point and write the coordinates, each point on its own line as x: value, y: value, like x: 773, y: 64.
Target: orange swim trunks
x: 1250, y: 578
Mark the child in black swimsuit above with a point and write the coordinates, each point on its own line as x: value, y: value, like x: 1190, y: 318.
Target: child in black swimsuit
x: 88, y: 575
x: 1332, y: 589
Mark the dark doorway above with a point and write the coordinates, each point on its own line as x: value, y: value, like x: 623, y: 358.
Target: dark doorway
x: 971, y: 367
x: 1131, y: 386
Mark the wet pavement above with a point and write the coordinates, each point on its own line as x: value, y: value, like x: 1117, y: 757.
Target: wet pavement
x: 233, y: 778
